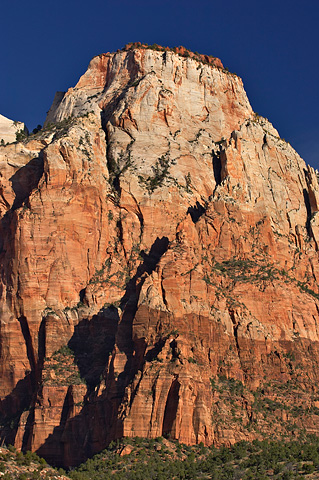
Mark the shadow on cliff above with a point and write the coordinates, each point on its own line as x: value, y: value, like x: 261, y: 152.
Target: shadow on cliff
x: 308, y: 209
x: 93, y: 343
x: 26, y: 179
x: 94, y: 339
x: 23, y: 396
x: 12, y: 407
x: 196, y: 212
x: 129, y: 302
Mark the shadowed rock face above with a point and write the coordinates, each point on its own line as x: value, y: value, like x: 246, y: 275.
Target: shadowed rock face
x: 159, y: 265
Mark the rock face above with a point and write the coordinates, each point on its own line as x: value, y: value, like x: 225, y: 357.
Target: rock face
x: 159, y: 265
x: 9, y: 129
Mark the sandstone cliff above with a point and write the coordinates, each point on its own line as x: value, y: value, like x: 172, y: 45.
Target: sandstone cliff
x: 159, y: 265
x: 9, y: 129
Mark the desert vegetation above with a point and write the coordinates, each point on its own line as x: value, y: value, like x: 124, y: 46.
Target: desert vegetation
x: 162, y: 459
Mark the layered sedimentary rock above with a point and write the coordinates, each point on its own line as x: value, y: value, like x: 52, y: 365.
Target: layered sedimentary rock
x: 9, y: 129
x: 159, y: 264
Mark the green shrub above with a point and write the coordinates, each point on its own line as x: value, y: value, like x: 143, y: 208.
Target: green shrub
x: 23, y: 476
x: 308, y: 468
x: 160, y: 173
x: 20, y: 136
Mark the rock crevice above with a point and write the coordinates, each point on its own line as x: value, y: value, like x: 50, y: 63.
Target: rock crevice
x: 159, y: 265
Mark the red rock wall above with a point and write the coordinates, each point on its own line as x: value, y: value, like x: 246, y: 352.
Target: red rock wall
x: 168, y: 236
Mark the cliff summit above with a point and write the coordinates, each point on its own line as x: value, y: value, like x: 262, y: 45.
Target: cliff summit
x: 159, y: 265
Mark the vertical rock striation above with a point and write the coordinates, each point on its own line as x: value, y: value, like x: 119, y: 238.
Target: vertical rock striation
x: 159, y: 265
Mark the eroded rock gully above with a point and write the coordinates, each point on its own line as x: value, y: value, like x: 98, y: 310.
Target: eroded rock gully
x: 159, y: 265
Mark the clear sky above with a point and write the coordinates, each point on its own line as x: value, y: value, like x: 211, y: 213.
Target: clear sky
x: 272, y: 45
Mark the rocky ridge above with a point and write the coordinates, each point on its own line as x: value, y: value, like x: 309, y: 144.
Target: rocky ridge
x: 159, y: 264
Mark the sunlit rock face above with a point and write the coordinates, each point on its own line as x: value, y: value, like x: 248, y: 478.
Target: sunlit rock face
x: 159, y: 265
x: 9, y: 130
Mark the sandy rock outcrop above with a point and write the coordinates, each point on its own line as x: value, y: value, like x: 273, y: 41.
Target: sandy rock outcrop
x: 9, y: 129
x: 159, y: 265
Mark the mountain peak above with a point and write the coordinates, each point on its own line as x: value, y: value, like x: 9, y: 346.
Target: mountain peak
x: 182, y: 51
x: 159, y: 265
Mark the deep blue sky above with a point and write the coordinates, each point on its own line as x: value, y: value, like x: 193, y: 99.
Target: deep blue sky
x: 272, y: 45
